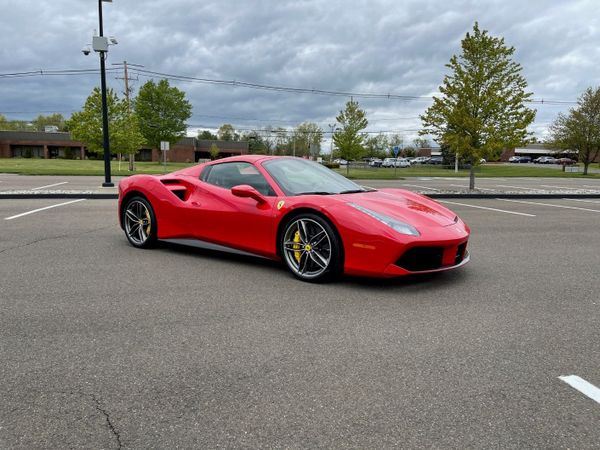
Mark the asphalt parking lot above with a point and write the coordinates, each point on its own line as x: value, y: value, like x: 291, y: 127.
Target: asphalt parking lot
x: 106, y: 346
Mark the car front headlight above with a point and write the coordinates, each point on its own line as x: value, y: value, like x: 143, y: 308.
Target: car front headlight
x: 399, y: 226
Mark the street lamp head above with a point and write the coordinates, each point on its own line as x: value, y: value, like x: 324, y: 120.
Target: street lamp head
x: 86, y: 50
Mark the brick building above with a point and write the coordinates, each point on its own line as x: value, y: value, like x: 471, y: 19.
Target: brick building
x: 34, y: 144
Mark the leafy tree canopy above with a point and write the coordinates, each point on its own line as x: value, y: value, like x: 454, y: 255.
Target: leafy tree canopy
x: 163, y: 112
x: 580, y: 129
x: 227, y: 133
x: 348, y: 138
x: 86, y: 125
x: 481, y: 108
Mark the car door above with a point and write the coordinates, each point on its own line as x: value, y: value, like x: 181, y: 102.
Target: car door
x: 243, y: 223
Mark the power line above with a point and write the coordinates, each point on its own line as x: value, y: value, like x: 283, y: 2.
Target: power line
x: 256, y: 86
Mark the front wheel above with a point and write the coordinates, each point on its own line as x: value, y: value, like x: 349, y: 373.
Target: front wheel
x: 139, y: 222
x: 310, y: 248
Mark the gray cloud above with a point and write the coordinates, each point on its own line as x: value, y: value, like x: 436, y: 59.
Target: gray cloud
x: 397, y: 47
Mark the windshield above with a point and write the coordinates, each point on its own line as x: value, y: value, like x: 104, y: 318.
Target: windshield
x: 298, y: 176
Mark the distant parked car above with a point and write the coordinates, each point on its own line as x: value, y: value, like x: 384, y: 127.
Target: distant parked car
x: 545, y: 160
x: 340, y: 161
x: 388, y: 162
x: 375, y: 162
x: 436, y: 160
x: 565, y: 161
x: 420, y: 160
x: 524, y: 159
x: 402, y: 162
x: 514, y: 159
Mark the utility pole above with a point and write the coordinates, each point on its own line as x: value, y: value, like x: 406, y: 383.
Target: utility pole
x: 127, y: 92
x: 331, y: 143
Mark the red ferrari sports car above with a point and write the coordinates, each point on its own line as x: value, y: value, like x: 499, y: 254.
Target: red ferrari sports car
x: 318, y: 222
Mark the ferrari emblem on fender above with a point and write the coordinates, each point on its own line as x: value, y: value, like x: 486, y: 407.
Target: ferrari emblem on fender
x: 280, y: 204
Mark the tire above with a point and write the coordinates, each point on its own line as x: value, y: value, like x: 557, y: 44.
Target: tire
x: 311, y: 248
x: 139, y: 223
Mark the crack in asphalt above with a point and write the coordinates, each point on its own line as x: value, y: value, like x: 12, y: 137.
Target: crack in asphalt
x: 16, y: 247
x: 108, y: 421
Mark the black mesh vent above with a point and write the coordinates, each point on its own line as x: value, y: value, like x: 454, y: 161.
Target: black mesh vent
x: 460, y: 253
x: 421, y: 258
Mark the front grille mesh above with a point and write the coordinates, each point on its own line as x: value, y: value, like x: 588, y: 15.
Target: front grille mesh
x: 421, y: 258
x: 418, y: 259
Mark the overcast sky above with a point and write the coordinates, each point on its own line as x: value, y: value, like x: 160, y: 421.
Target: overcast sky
x: 397, y: 47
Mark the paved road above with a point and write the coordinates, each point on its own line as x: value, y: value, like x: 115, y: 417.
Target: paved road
x: 106, y: 346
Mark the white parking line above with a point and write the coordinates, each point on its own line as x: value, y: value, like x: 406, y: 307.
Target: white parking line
x: 581, y: 200
x: 423, y: 187
x: 43, y: 209
x: 50, y: 185
x: 590, y: 186
x: 514, y: 187
x: 489, y: 209
x: 549, y: 204
x: 559, y: 187
x: 586, y: 388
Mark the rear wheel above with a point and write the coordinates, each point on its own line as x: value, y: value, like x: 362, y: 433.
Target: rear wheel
x: 139, y: 222
x: 310, y: 248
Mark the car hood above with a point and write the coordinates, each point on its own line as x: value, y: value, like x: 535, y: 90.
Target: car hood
x: 403, y: 205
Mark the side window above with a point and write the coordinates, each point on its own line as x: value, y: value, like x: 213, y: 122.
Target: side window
x: 227, y: 175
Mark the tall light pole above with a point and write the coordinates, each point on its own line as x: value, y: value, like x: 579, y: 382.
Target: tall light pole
x: 106, y: 143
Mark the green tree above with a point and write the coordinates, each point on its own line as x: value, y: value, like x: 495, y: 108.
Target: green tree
x: 377, y: 146
x: 128, y: 137
x: 256, y: 143
x: 481, y: 108
x: 213, y: 151
x: 348, y: 138
x: 227, y: 133
x: 124, y: 132
x: 207, y: 135
x: 580, y: 129
x: 307, y: 137
x: 41, y: 121
x: 162, y: 111
x: 4, y: 123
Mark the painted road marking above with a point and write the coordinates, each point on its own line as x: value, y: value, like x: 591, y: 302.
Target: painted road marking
x: 514, y: 187
x: 558, y: 187
x: 489, y: 209
x: 580, y: 200
x: 423, y: 187
x: 549, y: 204
x: 590, y: 186
x: 50, y: 185
x: 586, y: 388
x: 43, y: 209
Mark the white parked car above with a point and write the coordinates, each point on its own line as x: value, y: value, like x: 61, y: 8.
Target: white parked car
x: 402, y: 162
x: 420, y: 160
x: 388, y: 162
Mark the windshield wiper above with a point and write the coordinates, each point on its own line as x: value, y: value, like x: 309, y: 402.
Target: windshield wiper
x: 314, y: 193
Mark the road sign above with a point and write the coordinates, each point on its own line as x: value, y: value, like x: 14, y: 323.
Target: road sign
x: 164, y: 145
x: 396, y: 151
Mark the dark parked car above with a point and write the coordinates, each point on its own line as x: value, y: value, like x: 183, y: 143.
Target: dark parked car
x: 565, y: 161
x: 436, y: 160
x: 524, y: 159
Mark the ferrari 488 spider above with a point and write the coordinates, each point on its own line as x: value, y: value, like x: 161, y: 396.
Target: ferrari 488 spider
x: 315, y: 220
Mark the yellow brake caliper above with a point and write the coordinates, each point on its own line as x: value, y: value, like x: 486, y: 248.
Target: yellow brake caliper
x: 149, y: 223
x: 297, y: 246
